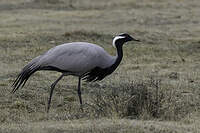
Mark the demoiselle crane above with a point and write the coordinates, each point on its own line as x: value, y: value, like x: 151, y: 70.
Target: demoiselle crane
x: 84, y: 60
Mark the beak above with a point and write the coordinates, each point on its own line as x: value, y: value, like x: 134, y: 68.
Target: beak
x: 133, y: 39
x: 137, y: 40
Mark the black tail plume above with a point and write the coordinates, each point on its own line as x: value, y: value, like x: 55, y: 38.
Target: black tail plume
x: 24, y: 75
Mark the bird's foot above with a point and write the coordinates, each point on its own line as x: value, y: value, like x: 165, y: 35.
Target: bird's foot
x: 81, y: 108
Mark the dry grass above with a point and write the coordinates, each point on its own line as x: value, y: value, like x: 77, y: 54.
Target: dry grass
x: 158, y: 79
x: 102, y: 125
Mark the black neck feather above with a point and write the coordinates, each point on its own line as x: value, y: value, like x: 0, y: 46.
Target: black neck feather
x: 100, y: 73
x: 118, y: 59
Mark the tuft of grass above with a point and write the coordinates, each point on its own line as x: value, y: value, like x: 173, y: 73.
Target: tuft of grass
x: 142, y: 100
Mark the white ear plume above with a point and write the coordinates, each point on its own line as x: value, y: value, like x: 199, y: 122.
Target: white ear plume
x: 117, y: 38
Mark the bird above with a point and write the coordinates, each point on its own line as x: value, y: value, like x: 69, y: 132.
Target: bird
x: 87, y: 61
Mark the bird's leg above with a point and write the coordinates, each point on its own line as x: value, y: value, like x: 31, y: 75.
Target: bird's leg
x: 51, y: 92
x: 79, y: 92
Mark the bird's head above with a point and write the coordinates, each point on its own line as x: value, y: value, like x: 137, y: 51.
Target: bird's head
x: 122, y: 38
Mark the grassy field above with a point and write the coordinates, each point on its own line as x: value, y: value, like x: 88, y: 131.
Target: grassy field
x: 155, y: 89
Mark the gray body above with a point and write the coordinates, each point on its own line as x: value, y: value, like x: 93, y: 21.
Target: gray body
x: 77, y: 57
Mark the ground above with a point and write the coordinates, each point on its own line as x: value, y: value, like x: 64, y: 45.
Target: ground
x: 155, y: 89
